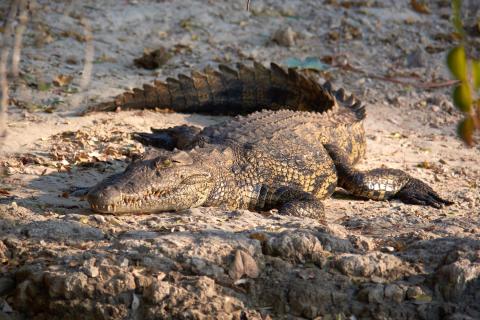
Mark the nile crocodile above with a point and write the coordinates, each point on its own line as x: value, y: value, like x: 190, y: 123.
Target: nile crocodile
x: 289, y: 156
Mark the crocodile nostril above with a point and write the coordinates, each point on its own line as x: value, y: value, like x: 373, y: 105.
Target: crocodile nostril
x: 103, y: 197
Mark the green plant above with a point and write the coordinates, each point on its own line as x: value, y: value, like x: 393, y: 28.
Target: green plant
x: 467, y: 70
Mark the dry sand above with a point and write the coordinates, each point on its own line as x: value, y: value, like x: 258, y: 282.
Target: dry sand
x: 382, y: 260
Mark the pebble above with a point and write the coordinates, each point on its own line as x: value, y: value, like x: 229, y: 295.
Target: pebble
x: 284, y: 37
x: 416, y: 59
x: 413, y: 292
x: 91, y: 271
x: 124, y: 263
x: 243, y: 264
x: 135, y: 302
x: 99, y: 218
x: 6, y: 308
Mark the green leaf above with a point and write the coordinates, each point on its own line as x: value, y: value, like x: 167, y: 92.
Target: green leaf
x: 423, y: 298
x: 457, y: 63
x: 44, y: 86
x: 465, y: 130
x: 476, y: 73
x: 462, y: 97
x: 457, y: 16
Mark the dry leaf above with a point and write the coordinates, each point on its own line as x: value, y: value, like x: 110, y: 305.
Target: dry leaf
x: 260, y: 236
x: 84, y: 220
x: 62, y: 80
x: 424, y: 165
x: 419, y: 7
x: 153, y: 59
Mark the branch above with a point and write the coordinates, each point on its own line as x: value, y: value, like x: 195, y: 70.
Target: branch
x: 17, y: 45
x: 7, y: 35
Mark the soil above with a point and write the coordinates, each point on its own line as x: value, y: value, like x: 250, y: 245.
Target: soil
x: 370, y: 260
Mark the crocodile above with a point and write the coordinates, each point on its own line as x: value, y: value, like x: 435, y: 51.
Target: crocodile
x: 292, y: 142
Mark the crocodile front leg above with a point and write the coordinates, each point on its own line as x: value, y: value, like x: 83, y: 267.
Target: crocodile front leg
x: 382, y: 183
x: 180, y: 137
x: 290, y: 201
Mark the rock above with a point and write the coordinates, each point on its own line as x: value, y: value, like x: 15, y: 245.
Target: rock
x: 243, y: 264
x: 72, y: 286
x: 361, y: 242
x: 62, y: 230
x: 295, y: 246
x: 143, y: 281
x: 375, y: 294
x: 153, y: 59
x: 387, y: 249
x: 5, y: 307
x: 314, y: 297
x: 6, y: 285
x: 395, y: 293
x: 198, y: 263
x: 99, y: 218
x: 4, y: 252
x: 416, y: 59
x: 91, y: 271
x: 373, y: 263
x: 453, y: 279
x: 413, y: 292
x: 284, y: 37
x: 120, y: 283
x: 157, y: 291
x: 124, y: 263
x: 135, y: 302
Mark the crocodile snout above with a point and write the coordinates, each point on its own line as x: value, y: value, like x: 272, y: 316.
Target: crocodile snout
x: 104, y: 200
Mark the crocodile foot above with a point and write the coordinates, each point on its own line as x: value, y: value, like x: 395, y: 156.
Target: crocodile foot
x: 180, y: 137
x: 418, y: 192
x: 307, y: 209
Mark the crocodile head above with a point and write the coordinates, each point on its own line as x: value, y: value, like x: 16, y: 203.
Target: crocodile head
x: 161, y: 183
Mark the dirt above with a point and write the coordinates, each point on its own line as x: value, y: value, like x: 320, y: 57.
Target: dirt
x: 370, y: 260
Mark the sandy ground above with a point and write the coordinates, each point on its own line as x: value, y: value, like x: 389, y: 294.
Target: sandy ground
x: 374, y: 259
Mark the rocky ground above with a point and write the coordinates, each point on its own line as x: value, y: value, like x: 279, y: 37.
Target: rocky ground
x: 370, y: 260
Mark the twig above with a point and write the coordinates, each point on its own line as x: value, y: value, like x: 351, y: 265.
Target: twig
x: 345, y: 65
x: 88, y: 63
x: 89, y: 52
x: 17, y: 45
x: 420, y: 85
x: 248, y: 5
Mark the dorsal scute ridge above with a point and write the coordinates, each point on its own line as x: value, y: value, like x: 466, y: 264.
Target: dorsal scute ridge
x: 243, y: 90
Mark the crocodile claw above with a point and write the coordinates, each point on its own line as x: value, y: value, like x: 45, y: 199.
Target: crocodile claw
x: 419, y: 193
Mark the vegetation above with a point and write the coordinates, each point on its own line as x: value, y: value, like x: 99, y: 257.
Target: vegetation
x: 466, y: 95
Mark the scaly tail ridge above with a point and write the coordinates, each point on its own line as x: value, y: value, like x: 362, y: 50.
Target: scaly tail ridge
x: 228, y: 91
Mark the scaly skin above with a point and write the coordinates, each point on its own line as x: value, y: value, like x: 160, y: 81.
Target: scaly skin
x: 288, y: 160
x: 227, y: 91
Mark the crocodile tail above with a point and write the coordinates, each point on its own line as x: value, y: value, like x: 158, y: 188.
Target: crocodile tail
x: 228, y: 91
x: 350, y: 103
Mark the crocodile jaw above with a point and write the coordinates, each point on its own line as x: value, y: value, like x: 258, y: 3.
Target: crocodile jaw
x: 146, y: 188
